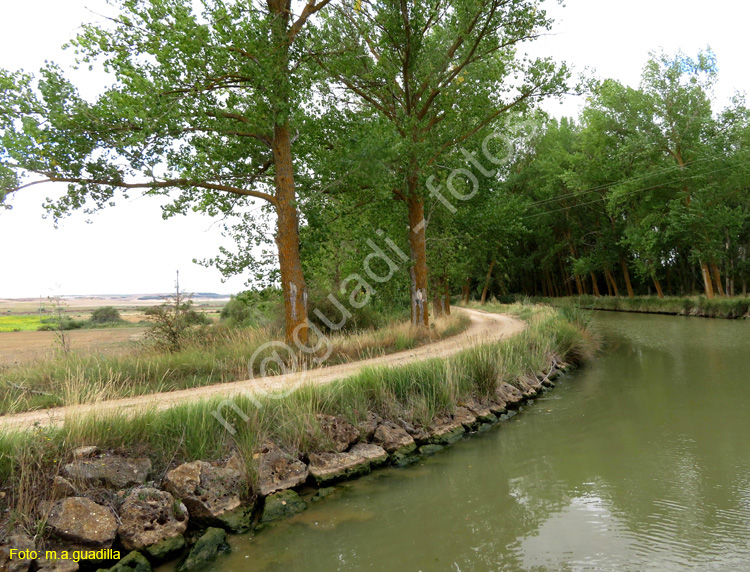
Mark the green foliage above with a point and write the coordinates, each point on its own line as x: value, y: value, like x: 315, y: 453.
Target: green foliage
x: 105, y: 315
x: 61, y: 323
x: 174, y: 323
x: 253, y: 308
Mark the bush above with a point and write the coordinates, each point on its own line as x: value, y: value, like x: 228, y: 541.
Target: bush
x: 172, y: 323
x: 350, y: 319
x: 254, y: 308
x: 62, y: 323
x: 105, y: 315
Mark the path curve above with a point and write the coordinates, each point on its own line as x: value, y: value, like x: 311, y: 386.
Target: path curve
x: 484, y: 327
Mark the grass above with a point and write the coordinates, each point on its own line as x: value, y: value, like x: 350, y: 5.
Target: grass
x: 14, y: 323
x: 221, y: 355
x: 719, y: 307
x: 416, y: 393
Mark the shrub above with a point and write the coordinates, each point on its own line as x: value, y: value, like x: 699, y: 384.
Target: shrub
x: 105, y: 315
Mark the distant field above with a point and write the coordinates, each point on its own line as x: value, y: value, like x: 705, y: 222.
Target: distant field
x: 19, y: 323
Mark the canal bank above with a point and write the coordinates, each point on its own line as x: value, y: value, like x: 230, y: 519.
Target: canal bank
x: 386, y: 416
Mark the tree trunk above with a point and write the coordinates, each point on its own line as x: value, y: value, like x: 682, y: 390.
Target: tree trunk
x: 487, y: 283
x: 707, y: 287
x: 437, y: 303
x: 610, y: 293
x: 669, y: 280
x: 579, y: 285
x: 418, y: 248
x: 717, y: 277
x: 551, y: 285
x: 446, y: 295
x: 658, y: 287
x: 287, y: 240
x: 608, y: 274
x: 594, y: 285
x: 626, y: 274
x: 466, y: 289
x: 566, y: 282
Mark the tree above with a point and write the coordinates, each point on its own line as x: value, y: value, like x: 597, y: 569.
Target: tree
x: 207, y: 105
x: 438, y: 74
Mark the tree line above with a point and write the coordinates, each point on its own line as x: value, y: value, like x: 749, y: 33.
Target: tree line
x: 390, y: 152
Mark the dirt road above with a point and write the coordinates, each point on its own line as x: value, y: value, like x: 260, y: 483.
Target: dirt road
x: 484, y: 327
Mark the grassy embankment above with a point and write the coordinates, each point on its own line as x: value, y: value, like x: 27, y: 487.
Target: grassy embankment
x: 215, y: 355
x: 416, y: 393
x: 719, y: 307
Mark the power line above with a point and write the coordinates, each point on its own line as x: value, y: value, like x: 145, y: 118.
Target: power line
x: 627, y: 193
x: 621, y: 181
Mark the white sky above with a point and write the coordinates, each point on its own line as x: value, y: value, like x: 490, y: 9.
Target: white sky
x: 130, y: 249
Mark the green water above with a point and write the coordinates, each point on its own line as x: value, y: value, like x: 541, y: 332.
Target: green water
x: 640, y: 461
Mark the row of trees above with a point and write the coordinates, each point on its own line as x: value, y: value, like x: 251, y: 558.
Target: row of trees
x: 377, y: 136
x: 648, y: 191
x: 281, y: 102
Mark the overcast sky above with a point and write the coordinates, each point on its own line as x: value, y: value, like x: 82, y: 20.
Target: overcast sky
x: 130, y: 249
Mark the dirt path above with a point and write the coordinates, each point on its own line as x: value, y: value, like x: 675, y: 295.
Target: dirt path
x: 484, y: 327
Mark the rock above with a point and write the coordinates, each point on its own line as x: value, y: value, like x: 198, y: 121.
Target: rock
x: 112, y: 472
x: 211, y: 494
x: 18, y: 541
x: 430, y: 449
x: 419, y: 434
x: 375, y: 454
x: 497, y: 406
x: 278, y: 471
x: 339, y: 431
x: 212, y: 543
x: 150, y: 516
x: 527, y: 390
x: 238, y: 521
x: 81, y: 520
x: 393, y: 438
x: 85, y: 452
x: 465, y: 417
x: 161, y: 551
x: 509, y: 394
x: 446, y: 430
x: 45, y: 565
x: 535, y: 383
x: 62, y: 488
x: 323, y: 493
x: 282, y: 505
x: 480, y: 410
x: 237, y: 463
x: 547, y: 380
x: 369, y: 425
x: 328, y: 468
x: 133, y: 562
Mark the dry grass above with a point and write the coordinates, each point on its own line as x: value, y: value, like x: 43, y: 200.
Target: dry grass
x: 218, y: 355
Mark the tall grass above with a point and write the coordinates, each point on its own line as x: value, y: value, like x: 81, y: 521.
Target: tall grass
x: 219, y: 356
x: 417, y: 393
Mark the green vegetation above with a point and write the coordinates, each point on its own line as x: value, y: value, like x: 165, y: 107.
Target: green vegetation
x: 685, y: 306
x: 106, y: 315
x: 416, y: 392
x: 206, y: 356
x: 20, y: 323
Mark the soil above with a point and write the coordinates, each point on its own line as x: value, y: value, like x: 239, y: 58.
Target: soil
x: 17, y: 348
x: 484, y: 327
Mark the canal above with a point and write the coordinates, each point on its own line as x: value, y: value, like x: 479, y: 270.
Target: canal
x: 639, y: 461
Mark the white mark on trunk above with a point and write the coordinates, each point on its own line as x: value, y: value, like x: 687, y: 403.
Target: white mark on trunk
x: 293, y: 299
